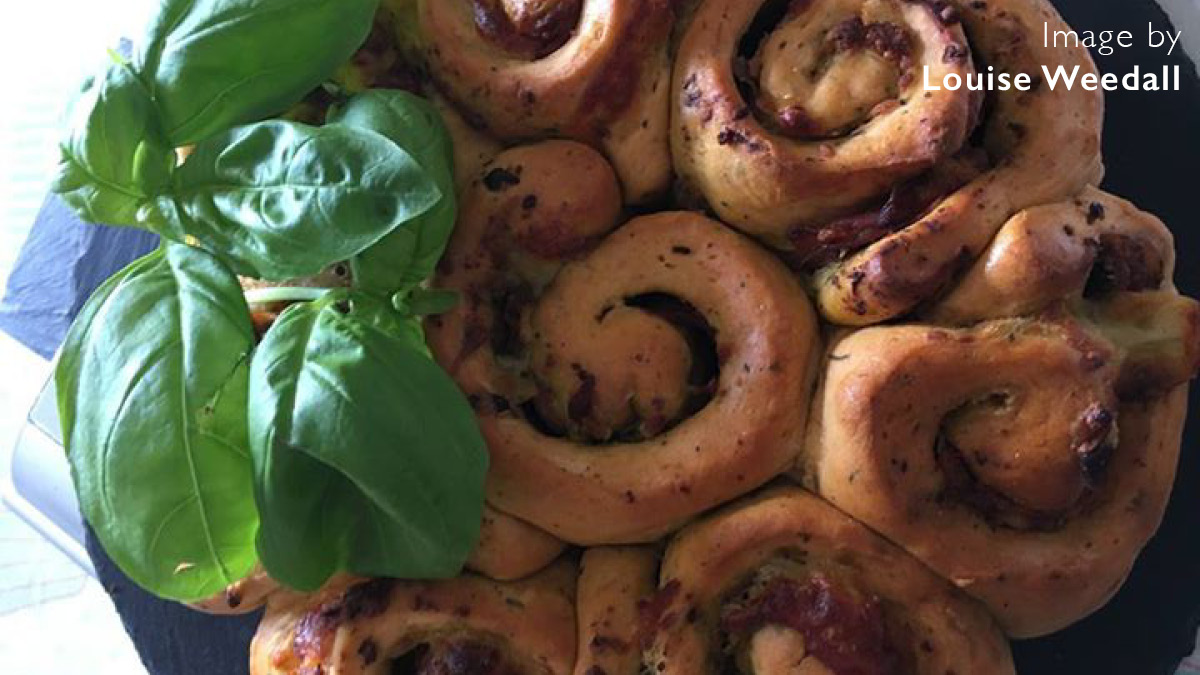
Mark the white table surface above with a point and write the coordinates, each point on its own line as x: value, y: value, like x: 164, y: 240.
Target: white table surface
x: 54, y: 618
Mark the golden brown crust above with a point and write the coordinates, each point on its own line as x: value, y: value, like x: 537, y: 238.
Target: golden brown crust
x: 879, y: 163
x: 1029, y: 456
x: 769, y: 180
x: 603, y: 80
x: 1108, y: 263
x: 613, y: 581
x: 586, y: 364
x: 637, y: 491
x: 717, y: 571
x: 1043, y: 145
x: 510, y: 548
x: 1092, y: 245
x: 989, y: 454
x: 357, y: 626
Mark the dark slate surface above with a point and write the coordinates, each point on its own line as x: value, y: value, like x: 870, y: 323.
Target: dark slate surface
x: 1152, y: 143
x: 170, y: 638
x: 60, y: 265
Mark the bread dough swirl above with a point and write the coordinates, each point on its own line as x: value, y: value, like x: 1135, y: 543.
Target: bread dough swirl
x: 783, y: 584
x: 1011, y: 478
x: 626, y: 385
x: 464, y: 625
x: 1027, y: 455
x: 595, y: 71
x: 812, y: 129
x: 825, y: 114
x: 1099, y: 258
x: 565, y: 620
x: 1094, y: 243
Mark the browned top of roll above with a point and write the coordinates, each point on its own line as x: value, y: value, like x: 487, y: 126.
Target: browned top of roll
x: 784, y: 583
x: 463, y: 625
x: 624, y: 382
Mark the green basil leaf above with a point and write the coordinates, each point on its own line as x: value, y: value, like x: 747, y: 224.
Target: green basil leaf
x: 367, y: 458
x: 407, y: 256
x: 425, y: 301
x: 279, y: 200
x: 152, y: 393
x: 70, y: 359
x: 113, y: 159
x: 215, y: 64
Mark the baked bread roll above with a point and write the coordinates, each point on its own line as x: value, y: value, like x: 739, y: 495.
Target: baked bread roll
x: 464, y: 625
x: 999, y: 455
x: 811, y: 129
x: 1028, y: 455
x: 624, y: 380
x: 594, y: 71
x: 784, y: 584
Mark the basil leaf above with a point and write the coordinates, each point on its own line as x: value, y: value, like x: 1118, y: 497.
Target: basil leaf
x: 215, y: 64
x: 367, y: 458
x: 426, y: 302
x: 113, y: 158
x: 407, y: 256
x: 152, y: 394
x: 279, y: 200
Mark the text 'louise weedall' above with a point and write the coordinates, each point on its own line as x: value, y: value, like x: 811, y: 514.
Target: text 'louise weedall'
x: 1104, y: 42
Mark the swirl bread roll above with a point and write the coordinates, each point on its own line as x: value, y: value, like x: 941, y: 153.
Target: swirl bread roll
x: 595, y: 71
x: 808, y: 125
x: 465, y: 625
x: 1026, y: 459
x: 783, y: 584
x: 626, y: 382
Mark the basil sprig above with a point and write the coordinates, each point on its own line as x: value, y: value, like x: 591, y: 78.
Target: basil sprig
x: 261, y: 194
x: 335, y: 444
x: 114, y: 157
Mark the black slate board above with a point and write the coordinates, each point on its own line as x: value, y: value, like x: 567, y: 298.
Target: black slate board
x: 1151, y: 145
